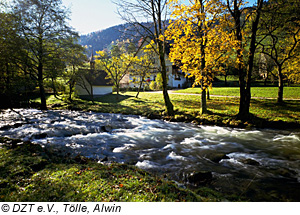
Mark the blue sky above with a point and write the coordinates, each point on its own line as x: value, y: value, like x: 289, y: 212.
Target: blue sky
x: 94, y: 15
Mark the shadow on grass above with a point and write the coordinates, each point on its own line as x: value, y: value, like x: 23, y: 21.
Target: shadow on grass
x: 216, y: 105
x: 109, y: 98
x: 113, y: 98
x: 289, y: 109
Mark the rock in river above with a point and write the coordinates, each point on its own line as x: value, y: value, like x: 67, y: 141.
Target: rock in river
x: 250, y: 162
x: 199, y: 178
x: 217, y: 157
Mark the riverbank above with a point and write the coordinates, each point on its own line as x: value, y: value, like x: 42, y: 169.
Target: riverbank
x: 29, y: 172
x: 222, y: 110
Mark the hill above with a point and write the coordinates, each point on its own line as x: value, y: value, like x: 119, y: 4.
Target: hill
x: 103, y: 39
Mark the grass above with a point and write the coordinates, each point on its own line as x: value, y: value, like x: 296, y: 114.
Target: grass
x: 267, y: 113
x: 261, y: 92
x: 29, y: 172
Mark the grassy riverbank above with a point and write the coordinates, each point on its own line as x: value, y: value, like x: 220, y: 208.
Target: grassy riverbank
x: 266, y: 112
x: 29, y: 172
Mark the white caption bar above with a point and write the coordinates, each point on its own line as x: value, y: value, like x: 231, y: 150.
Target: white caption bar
x: 44, y: 208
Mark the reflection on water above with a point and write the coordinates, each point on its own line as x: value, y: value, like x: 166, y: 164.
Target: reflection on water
x: 234, y: 156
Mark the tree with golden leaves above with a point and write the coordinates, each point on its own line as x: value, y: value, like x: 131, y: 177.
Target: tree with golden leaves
x: 200, y: 40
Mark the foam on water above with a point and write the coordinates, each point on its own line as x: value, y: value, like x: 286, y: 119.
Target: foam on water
x: 174, y: 156
x: 147, y: 164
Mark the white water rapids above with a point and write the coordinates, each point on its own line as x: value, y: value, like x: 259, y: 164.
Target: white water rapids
x: 160, y: 146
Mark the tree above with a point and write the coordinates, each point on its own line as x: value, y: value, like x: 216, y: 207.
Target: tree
x: 14, y: 83
x: 292, y: 71
x: 116, y: 67
x: 74, y: 58
x: 43, y: 26
x: 149, y: 19
x: 143, y: 66
x: 280, y: 32
x: 116, y: 51
x: 54, y: 68
x: 236, y: 9
x: 85, y: 80
x: 199, y: 41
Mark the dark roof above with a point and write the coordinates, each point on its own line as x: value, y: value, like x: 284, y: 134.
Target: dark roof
x: 101, y: 79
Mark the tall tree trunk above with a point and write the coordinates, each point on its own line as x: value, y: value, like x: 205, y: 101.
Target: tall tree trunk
x: 54, y: 89
x: 208, y: 96
x: 280, y: 85
x: 71, y: 88
x: 156, y: 7
x: 118, y: 89
x: 203, y: 109
x: 265, y: 81
x: 236, y: 14
x: 243, y: 109
x: 251, y: 58
x: 203, y: 88
x: 92, y: 93
x: 41, y: 86
x: 168, y: 104
x: 245, y: 85
x: 140, y: 87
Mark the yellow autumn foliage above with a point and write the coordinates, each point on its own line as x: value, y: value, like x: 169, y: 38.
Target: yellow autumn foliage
x: 201, y: 42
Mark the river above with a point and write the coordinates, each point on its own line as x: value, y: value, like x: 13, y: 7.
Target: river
x: 255, y: 164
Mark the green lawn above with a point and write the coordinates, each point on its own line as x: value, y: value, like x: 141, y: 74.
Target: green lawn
x: 262, y: 92
x: 222, y: 109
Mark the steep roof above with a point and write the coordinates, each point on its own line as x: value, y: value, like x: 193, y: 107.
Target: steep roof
x: 100, y: 79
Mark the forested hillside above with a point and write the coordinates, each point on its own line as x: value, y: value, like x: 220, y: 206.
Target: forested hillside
x: 102, y: 39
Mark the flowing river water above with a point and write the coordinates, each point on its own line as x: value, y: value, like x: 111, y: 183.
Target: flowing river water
x: 256, y: 164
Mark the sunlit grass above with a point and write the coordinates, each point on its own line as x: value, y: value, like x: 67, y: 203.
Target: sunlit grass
x: 261, y: 92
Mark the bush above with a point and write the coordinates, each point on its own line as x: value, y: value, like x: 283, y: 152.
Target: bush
x: 152, y: 85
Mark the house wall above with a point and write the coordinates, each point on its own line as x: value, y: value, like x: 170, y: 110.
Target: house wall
x: 102, y: 90
x: 172, y: 81
x: 97, y: 90
x: 132, y: 84
x: 125, y: 82
x: 176, y: 83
